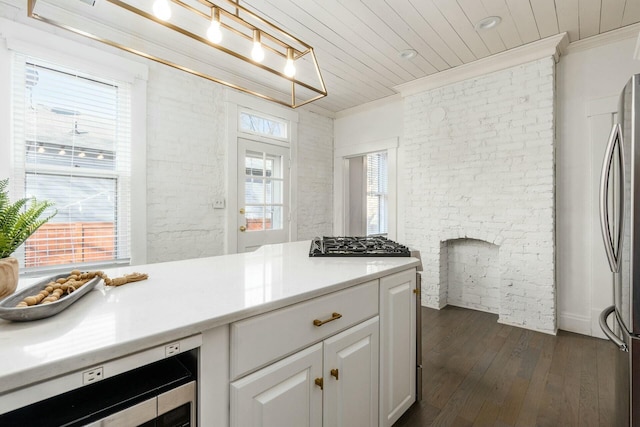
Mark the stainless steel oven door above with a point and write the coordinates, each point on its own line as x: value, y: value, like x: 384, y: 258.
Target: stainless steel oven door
x: 133, y: 416
x: 177, y: 407
x: 174, y: 408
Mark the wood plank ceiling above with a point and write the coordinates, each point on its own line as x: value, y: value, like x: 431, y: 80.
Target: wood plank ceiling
x: 357, y: 41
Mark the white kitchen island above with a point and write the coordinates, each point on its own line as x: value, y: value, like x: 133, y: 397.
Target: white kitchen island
x: 243, y: 314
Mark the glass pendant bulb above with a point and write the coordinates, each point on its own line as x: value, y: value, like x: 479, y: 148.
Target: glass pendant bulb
x: 214, y: 34
x: 289, y: 68
x: 161, y: 9
x: 257, y: 53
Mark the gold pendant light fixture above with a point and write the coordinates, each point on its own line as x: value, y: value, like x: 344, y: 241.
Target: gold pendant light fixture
x: 225, y: 39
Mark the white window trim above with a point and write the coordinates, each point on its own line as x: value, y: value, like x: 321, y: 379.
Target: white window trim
x: 53, y: 48
x: 341, y: 171
x: 237, y: 101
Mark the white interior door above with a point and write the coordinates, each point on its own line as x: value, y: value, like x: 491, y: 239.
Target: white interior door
x: 263, y: 194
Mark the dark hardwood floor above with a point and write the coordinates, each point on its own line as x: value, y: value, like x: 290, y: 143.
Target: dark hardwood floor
x: 477, y: 372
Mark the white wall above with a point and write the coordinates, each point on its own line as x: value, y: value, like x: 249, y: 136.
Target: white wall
x: 185, y: 165
x: 314, y: 175
x: 371, y: 122
x: 376, y: 126
x: 589, y: 80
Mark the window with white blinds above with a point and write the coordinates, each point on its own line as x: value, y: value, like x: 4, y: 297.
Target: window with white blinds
x: 72, y: 146
x: 377, y: 193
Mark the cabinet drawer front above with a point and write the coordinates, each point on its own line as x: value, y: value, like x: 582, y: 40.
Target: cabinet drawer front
x: 262, y: 339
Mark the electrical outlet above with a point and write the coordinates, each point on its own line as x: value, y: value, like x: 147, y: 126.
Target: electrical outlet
x: 218, y: 203
x: 92, y: 375
x: 171, y: 349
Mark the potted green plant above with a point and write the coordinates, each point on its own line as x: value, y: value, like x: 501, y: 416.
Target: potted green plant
x: 18, y: 221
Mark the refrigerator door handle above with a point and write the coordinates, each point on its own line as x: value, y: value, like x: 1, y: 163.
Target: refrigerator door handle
x: 615, y: 138
x: 607, y: 331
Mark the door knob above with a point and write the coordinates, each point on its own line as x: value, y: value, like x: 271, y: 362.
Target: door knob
x: 243, y: 228
x: 241, y: 211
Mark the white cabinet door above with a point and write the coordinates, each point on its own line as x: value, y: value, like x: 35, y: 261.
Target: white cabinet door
x: 398, y: 345
x: 281, y: 395
x: 351, y: 377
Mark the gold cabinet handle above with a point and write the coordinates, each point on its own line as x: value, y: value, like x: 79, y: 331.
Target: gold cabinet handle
x: 334, y: 316
x: 319, y: 383
x: 241, y: 211
x: 335, y: 373
x: 243, y: 228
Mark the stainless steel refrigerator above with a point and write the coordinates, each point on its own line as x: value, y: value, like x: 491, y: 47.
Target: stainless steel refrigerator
x: 620, y: 223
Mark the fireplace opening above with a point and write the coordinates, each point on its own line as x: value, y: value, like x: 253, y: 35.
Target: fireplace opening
x: 470, y: 273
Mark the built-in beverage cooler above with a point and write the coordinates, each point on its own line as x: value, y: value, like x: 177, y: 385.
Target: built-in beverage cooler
x: 161, y: 394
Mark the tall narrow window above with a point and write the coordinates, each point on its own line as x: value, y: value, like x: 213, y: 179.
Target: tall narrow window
x: 72, y: 146
x: 377, y: 193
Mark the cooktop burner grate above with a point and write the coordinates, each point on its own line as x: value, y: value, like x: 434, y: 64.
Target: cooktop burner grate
x: 357, y: 246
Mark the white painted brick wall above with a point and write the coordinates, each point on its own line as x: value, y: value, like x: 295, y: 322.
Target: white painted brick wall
x: 186, y: 161
x: 315, y: 175
x: 186, y: 151
x: 486, y: 171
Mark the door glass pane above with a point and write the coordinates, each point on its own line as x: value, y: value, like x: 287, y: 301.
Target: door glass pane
x: 254, y: 191
x: 274, y: 167
x: 274, y: 191
x: 254, y: 164
x: 255, y: 218
x: 273, y: 219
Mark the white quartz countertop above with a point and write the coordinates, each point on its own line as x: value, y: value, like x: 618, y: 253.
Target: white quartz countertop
x: 179, y: 299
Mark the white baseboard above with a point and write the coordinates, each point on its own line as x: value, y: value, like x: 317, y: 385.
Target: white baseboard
x: 575, y: 323
x: 595, y: 324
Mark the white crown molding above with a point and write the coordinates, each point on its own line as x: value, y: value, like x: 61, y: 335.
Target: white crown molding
x: 551, y: 46
x: 630, y: 31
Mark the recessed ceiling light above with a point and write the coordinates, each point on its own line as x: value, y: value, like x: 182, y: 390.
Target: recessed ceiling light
x: 407, y: 54
x: 487, y: 23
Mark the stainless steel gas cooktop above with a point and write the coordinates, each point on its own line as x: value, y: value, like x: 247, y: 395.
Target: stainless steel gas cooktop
x: 370, y: 246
